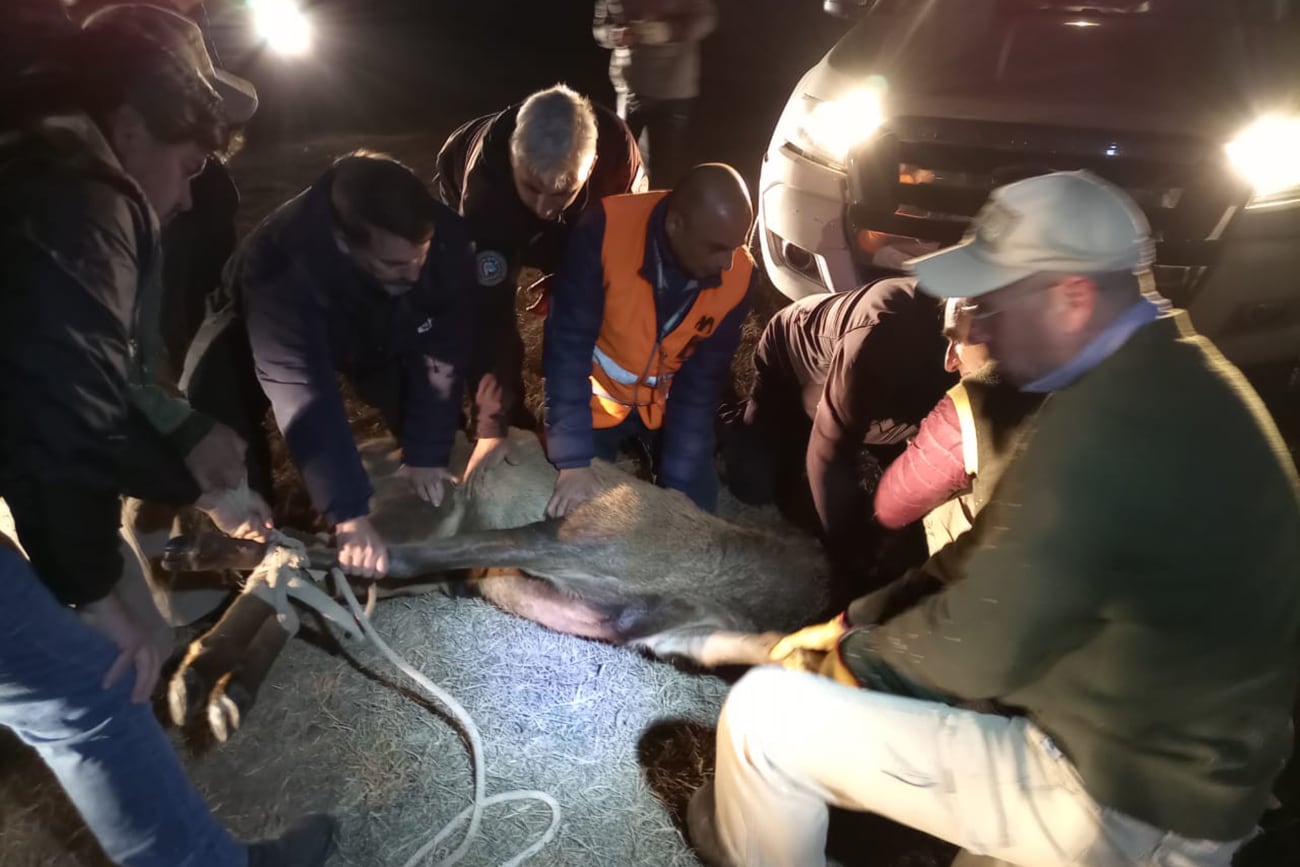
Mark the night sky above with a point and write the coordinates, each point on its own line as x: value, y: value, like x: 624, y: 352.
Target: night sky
x: 416, y: 65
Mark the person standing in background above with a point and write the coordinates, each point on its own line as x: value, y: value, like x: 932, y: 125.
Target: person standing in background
x: 655, y: 69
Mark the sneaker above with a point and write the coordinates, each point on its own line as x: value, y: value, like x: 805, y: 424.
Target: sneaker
x: 308, y: 842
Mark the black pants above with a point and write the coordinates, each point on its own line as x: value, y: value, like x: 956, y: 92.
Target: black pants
x: 221, y: 382
x: 659, y: 126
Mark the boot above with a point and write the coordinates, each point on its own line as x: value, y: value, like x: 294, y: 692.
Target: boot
x: 308, y: 842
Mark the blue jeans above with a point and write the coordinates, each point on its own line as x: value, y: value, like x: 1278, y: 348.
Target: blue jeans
x: 702, y: 487
x: 110, y: 755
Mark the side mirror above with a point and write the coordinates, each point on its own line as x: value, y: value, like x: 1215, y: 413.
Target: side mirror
x: 849, y: 9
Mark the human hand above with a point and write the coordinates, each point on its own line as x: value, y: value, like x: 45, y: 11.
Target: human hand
x: 239, y: 512
x: 361, y: 551
x: 430, y: 483
x: 573, y: 488
x: 111, y: 618
x: 488, y: 452
x: 815, y: 649
x: 217, y: 460
x: 622, y: 37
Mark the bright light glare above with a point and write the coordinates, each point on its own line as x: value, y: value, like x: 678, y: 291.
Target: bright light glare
x: 833, y: 127
x: 1082, y: 23
x: 283, y: 26
x: 1267, y: 154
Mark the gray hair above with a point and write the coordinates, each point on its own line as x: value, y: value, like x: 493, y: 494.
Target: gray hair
x: 555, y: 137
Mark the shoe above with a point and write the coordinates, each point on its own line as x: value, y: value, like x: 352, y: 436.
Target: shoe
x: 308, y: 842
x: 702, y: 828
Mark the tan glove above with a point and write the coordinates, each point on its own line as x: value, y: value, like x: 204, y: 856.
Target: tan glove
x: 815, y: 649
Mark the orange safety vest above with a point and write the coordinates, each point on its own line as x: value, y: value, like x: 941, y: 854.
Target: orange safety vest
x: 632, y: 366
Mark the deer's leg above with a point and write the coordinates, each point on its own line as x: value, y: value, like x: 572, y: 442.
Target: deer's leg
x: 542, y: 602
x: 532, y: 547
x: 214, y: 654
x: 711, y: 647
x: 234, y: 693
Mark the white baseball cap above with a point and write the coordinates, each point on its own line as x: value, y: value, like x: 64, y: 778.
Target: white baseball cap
x: 1068, y: 222
x: 175, y: 33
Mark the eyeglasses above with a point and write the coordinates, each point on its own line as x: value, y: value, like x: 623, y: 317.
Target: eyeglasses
x: 982, y: 311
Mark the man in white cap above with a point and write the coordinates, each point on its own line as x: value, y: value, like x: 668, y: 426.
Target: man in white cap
x: 1136, y: 606
x: 84, y: 185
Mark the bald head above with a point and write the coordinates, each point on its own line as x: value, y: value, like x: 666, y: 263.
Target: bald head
x: 709, y: 216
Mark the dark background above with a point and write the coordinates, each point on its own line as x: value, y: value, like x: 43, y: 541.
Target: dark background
x: 387, y: 66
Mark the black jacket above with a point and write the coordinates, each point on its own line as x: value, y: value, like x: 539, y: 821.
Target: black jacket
x: 79, y: 245
x: 870, y: 366
x: 311, y: 312
x: 475, y: 179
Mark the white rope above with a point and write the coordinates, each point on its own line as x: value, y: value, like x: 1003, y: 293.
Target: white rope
x: 280, y: 578
x: 475, y: 810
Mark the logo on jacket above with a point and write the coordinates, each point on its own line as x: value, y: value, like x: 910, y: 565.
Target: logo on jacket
x: 425, y: 327
x: 491, y: 267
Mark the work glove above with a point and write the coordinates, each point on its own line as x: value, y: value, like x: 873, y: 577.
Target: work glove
x: 815, y: 649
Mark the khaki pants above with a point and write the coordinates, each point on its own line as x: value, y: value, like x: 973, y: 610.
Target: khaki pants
x: 791, y: 743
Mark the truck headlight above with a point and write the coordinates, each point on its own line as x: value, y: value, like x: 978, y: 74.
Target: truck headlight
x: 825, y: 130
x: 1267, y: 155
x: 282, y: 25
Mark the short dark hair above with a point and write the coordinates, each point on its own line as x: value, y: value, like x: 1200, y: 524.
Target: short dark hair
x: 111, y: 66
x: 374, y: 191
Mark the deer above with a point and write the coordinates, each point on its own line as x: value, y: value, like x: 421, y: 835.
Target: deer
x: 637, y: 565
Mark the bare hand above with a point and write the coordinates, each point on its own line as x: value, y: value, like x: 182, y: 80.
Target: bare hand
x: 622, y: 37
x: 217, y: 460
x: 361, y: 551
x: 110, y: 618
x: 430, y: 483
x: 488, y: 453
x: 240, y: 512
x: 573, y: 488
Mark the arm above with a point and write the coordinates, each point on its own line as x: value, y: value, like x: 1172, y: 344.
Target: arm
x: 499, y: 361
x: 1031, y: 591
x: 65, y: 326
x: 929, y: 473
x: 693, y: 402
x: 295, y: 370
x: 572, y: 327
x: 852, y: 396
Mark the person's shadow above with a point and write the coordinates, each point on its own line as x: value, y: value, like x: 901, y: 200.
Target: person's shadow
x: 677, y: 757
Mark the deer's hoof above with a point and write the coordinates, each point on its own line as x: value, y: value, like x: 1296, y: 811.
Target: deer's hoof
x: 185, y: 695
x: 228, y: 707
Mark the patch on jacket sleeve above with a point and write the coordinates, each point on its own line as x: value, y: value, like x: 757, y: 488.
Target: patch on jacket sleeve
x: 490, y: 266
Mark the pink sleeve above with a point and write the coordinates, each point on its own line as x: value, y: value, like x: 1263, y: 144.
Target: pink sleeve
x: 927, y: 474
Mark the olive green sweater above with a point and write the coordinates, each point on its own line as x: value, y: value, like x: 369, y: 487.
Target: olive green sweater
x: 1133, y: 586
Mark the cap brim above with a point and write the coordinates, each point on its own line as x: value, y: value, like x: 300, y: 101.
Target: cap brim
x: 959, y: 272
x: 238, y: 97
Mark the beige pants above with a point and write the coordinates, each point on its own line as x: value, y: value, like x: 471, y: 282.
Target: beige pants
x: 791, y: 743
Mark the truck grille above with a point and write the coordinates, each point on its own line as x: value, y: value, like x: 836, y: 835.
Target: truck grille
x: 926, y: 178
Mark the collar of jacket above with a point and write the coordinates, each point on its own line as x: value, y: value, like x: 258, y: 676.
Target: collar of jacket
x: 658, y: 249
x: 75, y: 142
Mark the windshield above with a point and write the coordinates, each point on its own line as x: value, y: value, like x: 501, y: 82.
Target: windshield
x: 1169, y: 54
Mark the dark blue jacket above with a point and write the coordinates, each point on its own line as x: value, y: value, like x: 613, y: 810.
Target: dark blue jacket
x: 577, y: 309
x: 311, y: 312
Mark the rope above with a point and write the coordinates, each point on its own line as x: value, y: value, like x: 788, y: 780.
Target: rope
x: 279, y: 559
